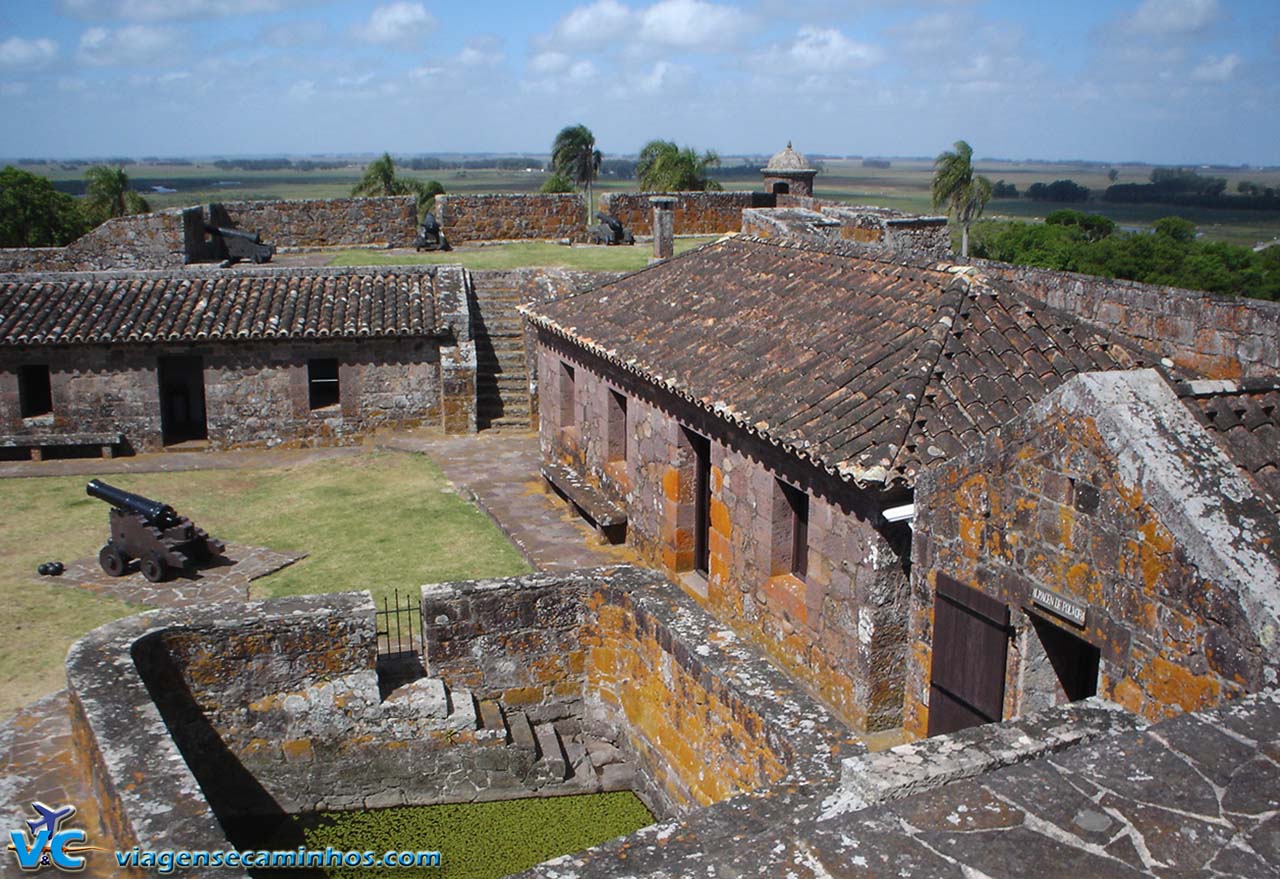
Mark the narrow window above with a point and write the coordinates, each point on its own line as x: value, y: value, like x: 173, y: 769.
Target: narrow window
x: 702, y: 503
x: 568, y: 410
x: 35, y: 396
x: 798, y: 502
x: 617, y: 428
x: 790, y: 526
x: 322, y: 382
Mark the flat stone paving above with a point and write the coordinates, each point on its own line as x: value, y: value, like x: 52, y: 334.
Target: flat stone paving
x: 499, y: 471
x: 227, y: 580
x: 38, y: 763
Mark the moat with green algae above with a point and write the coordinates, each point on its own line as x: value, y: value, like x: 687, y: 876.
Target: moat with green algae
x: 475, y: 840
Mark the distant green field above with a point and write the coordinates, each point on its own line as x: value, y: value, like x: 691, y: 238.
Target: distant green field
x: 512, y: 256
x: 904, y: 185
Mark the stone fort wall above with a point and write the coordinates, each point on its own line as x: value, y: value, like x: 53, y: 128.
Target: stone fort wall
x: 1226, y: 337
x: 696, y: 213
x: 511, y: 216
x: 142, y: 241
x: 389, y: 221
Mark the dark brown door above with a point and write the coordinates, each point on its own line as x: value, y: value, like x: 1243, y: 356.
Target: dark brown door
x: 182, y: 415
x: 970, y: 645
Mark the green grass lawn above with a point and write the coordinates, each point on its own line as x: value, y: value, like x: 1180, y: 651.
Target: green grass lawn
x: 380, y: 521
x: 513, y: 256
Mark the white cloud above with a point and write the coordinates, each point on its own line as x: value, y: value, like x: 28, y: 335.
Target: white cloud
x: 132, y: 45
x: 17, y: 53
x: 482, y: 51
x: 827, y: 50
x: 662, y: 78
x: 401, y: 23
x: 302, y: 90
x: 171, y: 10
x: 1162, y: 18
x: 592, y: 25
x: 691, y: 24
x: 549, y: 62
x: 1214, y: 69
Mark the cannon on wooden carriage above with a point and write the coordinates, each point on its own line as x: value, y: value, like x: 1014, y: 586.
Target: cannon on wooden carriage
x: 611, y: 231
x: 430, y: 235
x: 231, y: 244
x: 152, y: 532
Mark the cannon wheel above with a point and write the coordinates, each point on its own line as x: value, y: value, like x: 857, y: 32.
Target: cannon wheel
x: 113, y: 561
x: 154, y: 568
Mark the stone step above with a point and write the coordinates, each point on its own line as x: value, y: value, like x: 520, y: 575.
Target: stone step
x: 553, y: 765
x: 462, y: 709
x: 491, y: 715
x: 522, y: 734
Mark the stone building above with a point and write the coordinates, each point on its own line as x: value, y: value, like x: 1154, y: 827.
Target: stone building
x: 1119, y: 538
x: 239, y: 357
x: 756, y: 410
x: 789, y: 173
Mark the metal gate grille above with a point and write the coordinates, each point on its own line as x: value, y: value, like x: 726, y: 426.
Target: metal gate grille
x: 396, y: 622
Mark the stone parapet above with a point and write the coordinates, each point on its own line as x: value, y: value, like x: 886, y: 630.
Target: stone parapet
x: 510, y: 216
x: 696, y: 213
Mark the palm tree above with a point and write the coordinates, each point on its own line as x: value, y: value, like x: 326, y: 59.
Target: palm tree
x: 109, y: 194
x: 664, y: 167
x: 964, y: 193
x: 380, y: 179
x: 574, y: 155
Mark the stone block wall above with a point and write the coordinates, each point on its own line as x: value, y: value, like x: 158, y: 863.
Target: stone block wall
x: 840, y: 630
x: 703, y: 714
x: 1224, y: 337
x: 510, y: 216
x: 141, y: 241
x: 389, y: 221
x: 879, y: 229
x: 256, y: 393
x: 696, y: 213
x: 1090, y: 497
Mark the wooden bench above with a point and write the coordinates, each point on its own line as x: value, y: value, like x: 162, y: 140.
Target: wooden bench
x: 609, y: 518
x: 38, y: 442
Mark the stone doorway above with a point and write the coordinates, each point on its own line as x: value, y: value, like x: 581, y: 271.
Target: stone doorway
x: 1057, y: 666
x: 182, y: 413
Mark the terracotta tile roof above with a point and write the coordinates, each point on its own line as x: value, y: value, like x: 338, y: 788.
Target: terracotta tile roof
x: 228, y: 304
x: 868, y: 366
x: 1245, y: 418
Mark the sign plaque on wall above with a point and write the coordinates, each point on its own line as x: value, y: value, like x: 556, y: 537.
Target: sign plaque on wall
x: 1058, y: 605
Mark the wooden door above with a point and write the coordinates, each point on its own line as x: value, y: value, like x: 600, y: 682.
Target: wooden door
x: 970, y: 647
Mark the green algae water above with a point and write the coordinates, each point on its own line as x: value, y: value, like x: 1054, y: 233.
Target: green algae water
x: 475, y: 840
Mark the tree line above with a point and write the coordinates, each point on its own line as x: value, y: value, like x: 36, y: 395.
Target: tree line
x: 1169, y: 254
x: 35, y: 214
x: 1172, y: 186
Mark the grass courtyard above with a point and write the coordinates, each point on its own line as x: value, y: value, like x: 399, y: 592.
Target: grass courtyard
x: 377, y: 521
x: 522, y: 255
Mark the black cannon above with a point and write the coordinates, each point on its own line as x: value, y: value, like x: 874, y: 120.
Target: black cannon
x: 611, y: 231
x: 232, y: 245
x: 153, y: 533
x: 430, y: 236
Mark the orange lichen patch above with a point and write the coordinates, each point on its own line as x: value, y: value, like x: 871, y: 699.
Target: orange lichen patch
x: 785, y: 595
x: 1175, y: 687
x: 971, y: 535
x: 720, y: 517
x: 298, y: 750
x: 1066, y: 525
x: 671, y: 485
x: 522, y: 696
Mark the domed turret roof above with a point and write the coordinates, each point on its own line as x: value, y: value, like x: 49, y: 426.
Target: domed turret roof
x: 788, y: 160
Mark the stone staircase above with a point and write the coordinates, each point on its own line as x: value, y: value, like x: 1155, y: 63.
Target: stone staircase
x: 502, y: 375
x: 561, y: 756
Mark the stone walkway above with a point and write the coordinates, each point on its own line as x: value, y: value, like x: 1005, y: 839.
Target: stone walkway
x: 225, y: 580
x: 38, y: 763
x: 499, y: 471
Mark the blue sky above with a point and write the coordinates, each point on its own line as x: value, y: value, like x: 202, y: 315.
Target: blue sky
x: 1195, y: 81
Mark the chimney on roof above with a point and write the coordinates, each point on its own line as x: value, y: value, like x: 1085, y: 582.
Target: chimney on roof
x: 664, y: 226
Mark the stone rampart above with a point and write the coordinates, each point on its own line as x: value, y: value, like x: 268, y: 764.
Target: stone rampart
x: 141, y: 241
x: 1225, y: 337
x: 696, y: 213
x: 389, y: 221
x: 511, y: 216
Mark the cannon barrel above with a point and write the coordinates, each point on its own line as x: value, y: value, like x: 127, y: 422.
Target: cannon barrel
x: 233, y: 233
x: 153, y: 511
